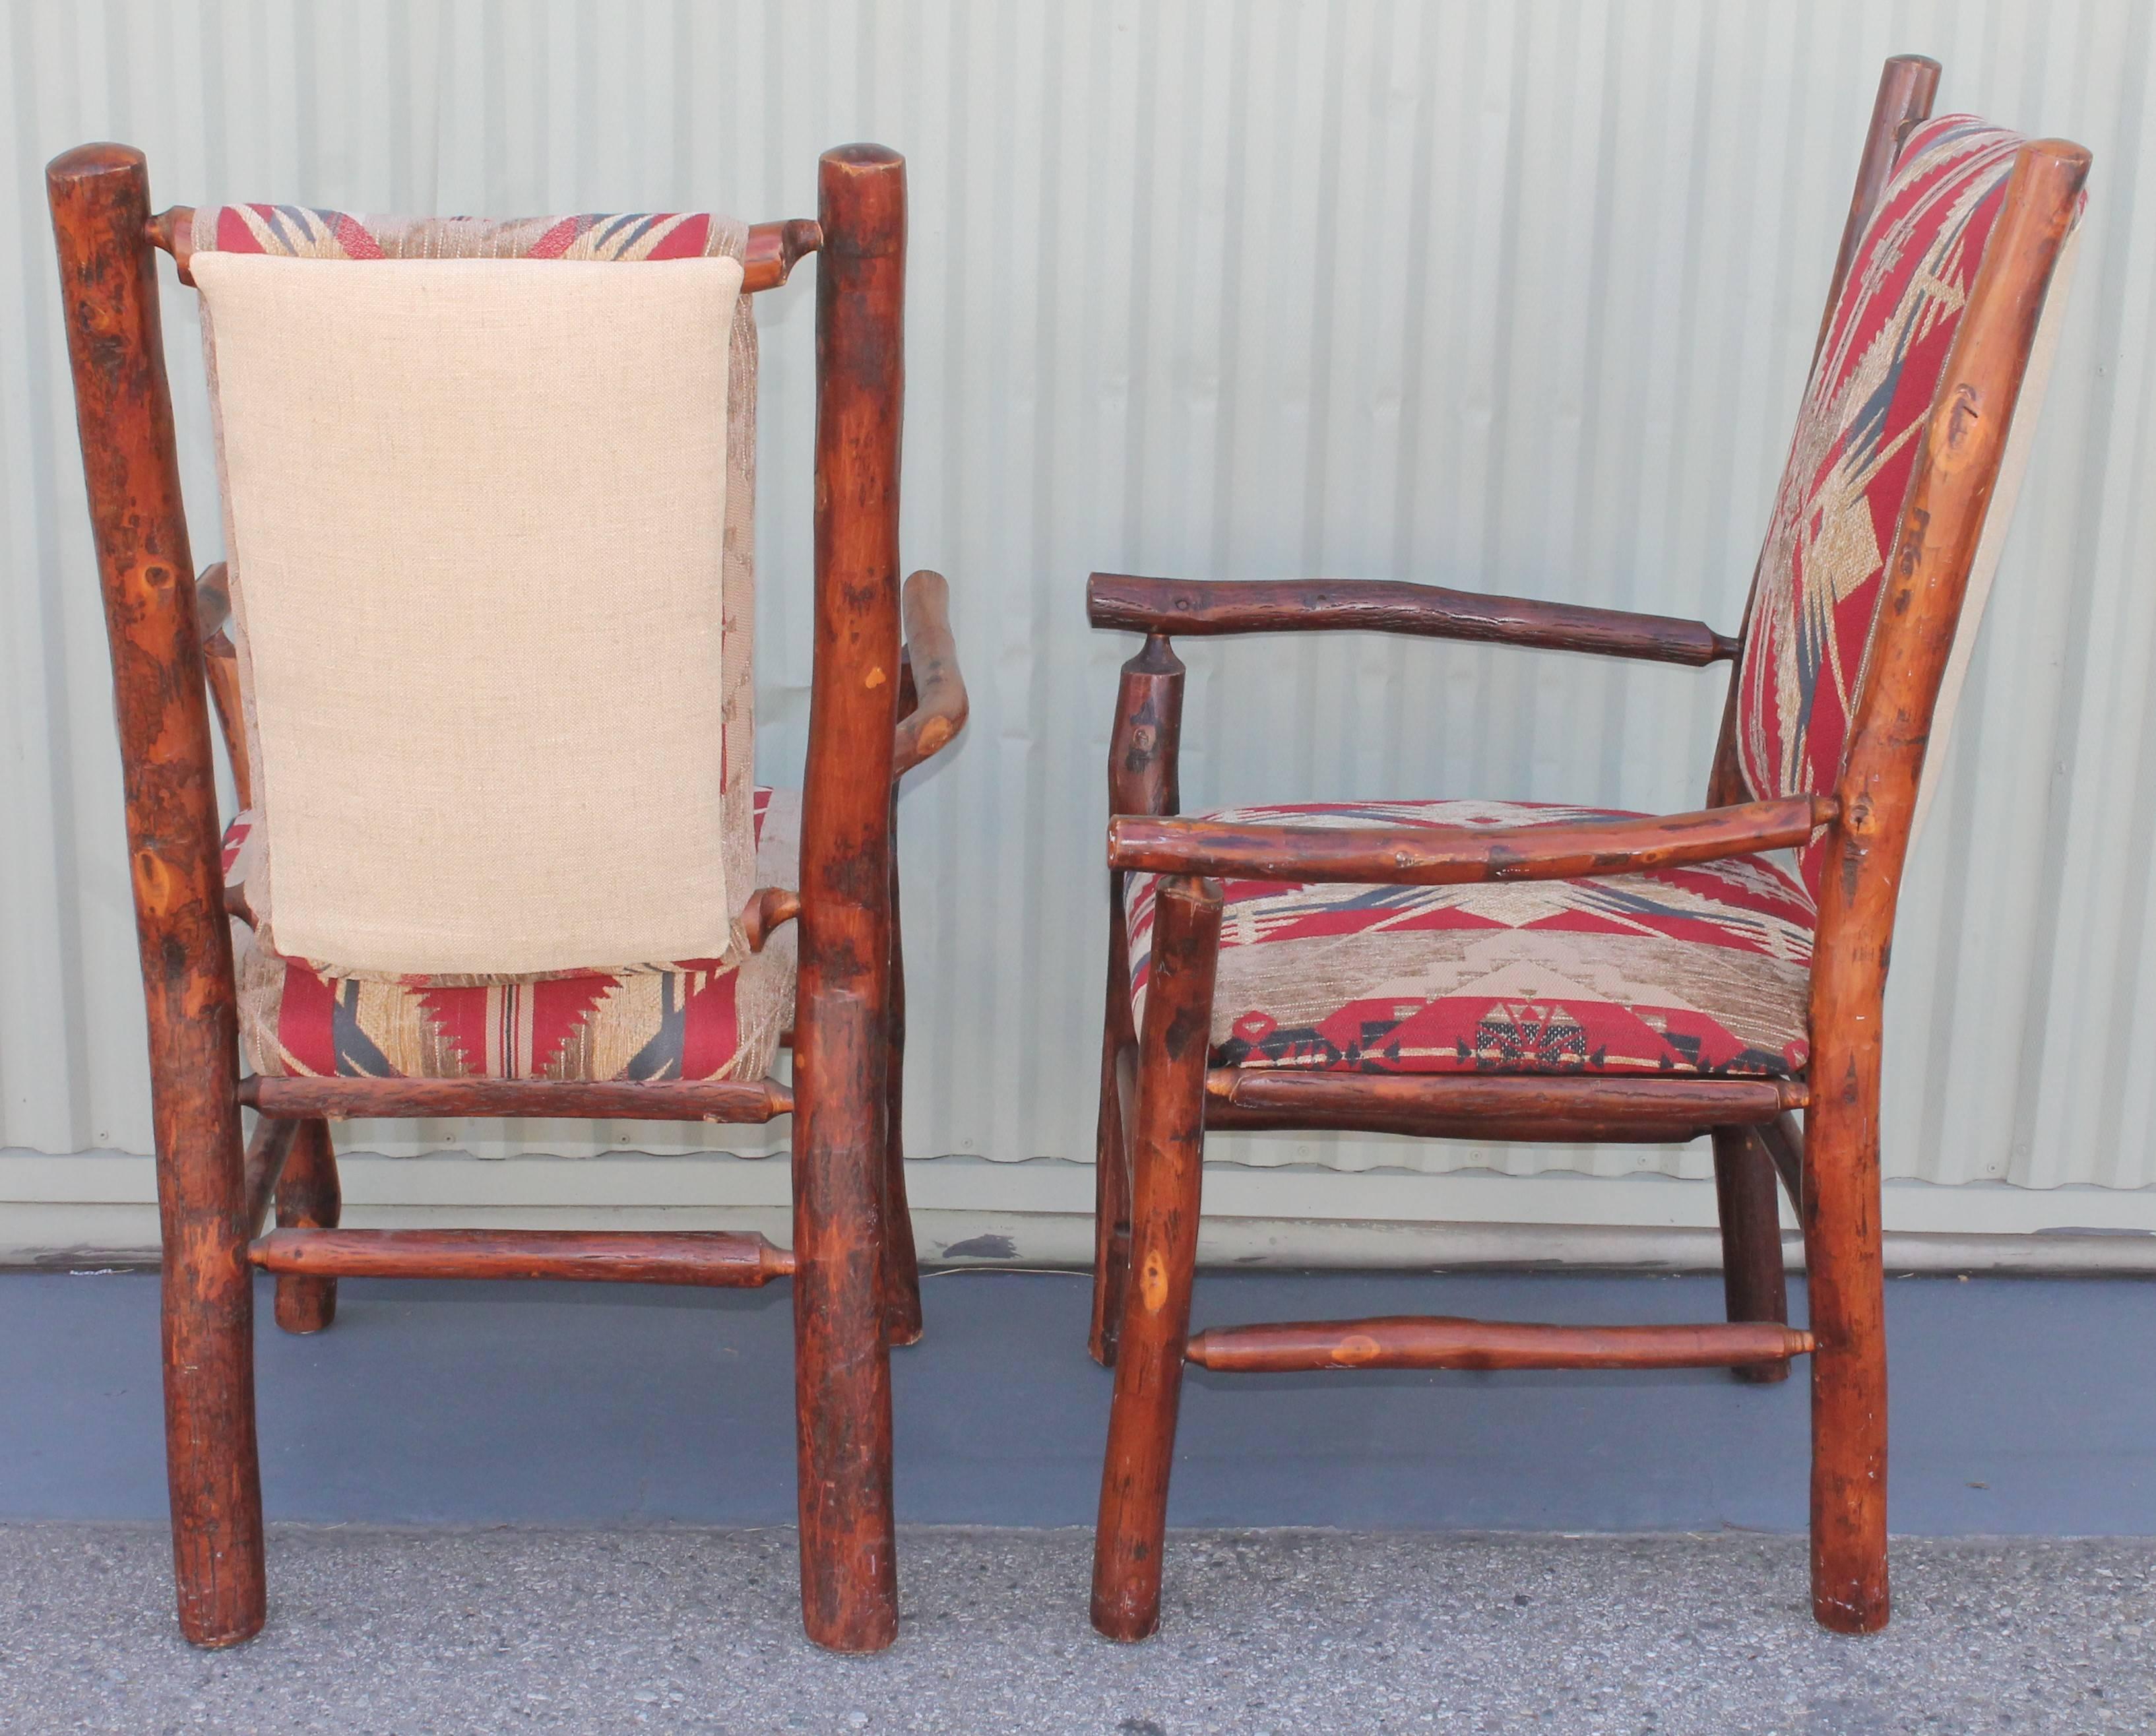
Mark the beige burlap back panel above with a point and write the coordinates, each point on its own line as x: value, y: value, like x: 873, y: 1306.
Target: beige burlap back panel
x: 491, y: 569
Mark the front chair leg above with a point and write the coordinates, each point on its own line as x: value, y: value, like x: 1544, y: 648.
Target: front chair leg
x: 308, y: 1198
x: 1753, y: 1284
x: 1156, y: 1315
x: 1112, y: 1154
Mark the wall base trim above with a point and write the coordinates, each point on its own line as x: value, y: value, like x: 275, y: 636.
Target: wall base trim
x: 99, y: 1209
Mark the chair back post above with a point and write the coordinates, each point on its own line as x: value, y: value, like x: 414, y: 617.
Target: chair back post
x: 1919, y: 609
x: 849, y: 1587
x: 1907, y: 85
x: 101, y: 209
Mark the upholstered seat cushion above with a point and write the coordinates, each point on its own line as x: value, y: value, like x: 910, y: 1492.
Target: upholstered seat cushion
x: 693, y: 1020
x: 1701, y: 970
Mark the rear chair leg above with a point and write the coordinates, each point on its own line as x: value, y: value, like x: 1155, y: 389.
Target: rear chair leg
x: 308, y: 1198
x: 900, y: 1280
x: 1156, y: 1313
x: 1111, y: 1152
x: 1753, y: 1284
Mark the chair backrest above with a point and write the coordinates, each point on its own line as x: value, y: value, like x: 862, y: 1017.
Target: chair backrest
x: 488, y: 517
x: 1874, y: 392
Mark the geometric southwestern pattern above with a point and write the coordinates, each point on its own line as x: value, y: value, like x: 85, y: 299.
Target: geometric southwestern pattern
x: 1854, y: 456
x: 300, y: 233
x: 696, y: 1020
x: 1703, y: 970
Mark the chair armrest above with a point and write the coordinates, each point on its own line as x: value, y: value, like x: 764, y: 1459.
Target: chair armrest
x: 938, y: 711
x: 1378, y: 605
x: 1456, y: 855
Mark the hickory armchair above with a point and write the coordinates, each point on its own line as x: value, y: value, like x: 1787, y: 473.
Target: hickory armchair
x: 1510, y: 971
x: 481, y: 653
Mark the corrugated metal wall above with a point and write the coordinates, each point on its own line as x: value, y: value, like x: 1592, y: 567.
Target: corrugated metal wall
x: 1516, y: 297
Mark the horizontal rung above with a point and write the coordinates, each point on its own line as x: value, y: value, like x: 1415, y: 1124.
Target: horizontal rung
x: 718, y: 1257
x: 1560, y: 1108
x: 713, y: 1099
x: 1416, y: 1341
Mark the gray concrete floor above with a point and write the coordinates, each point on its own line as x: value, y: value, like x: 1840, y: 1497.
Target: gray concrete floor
x: 1278, y: 1631
x: 592, y: 1485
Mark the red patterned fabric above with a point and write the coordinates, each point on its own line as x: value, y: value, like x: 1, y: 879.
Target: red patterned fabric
x: 302, y: 232
x: 1701, y: 970
x: 1850, y: 466
x: 697, y: 1019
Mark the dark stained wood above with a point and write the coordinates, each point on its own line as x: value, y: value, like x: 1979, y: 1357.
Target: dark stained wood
x: 717, y: 1258
x: 1457, y: 856
x: 1653, y: 1108
x: 1755, y: 1285
x: 266, y: 1151
x: 1783, y: 1139
x: 1926, y: 576
x: 309, y: 1198
x: 1383, y: 605
x: 938, y: 712
x: 221, y: 669
x: 99, y: 199
x: 1142, y: 778
x: 901, y: 1277
x: 841, y: 1040
x: 1907, y: 86
x: 712, y: 1100
x: 1170, y: 1139
x: 773, y: 249
x: 768, y: 908
x: 1409, y: 1341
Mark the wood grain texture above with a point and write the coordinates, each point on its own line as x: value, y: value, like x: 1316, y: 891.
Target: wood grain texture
x: 715, y: 1258
x: 308, y: 1198
x: 841, y: 1035
x: 270, y: 1145
x: 1564, y: 1108
x: 1920, y: 606
x: 99, y: 200
x: 1459, y: 856
x: 1142, y: 778
x: 1434, y: 1341
x: 713, y: 1099
x: 1381, y: 605
x: 1167, y: 1152
x: 1754, y: 1285
x: 939, y: 706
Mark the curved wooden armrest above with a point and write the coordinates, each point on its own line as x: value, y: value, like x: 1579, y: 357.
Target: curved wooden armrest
x: 1456, y: 855
x: 1383, y: 605
x: 939, y: 690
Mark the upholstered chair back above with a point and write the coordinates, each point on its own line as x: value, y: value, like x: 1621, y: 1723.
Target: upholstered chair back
x: 1814, y: 610
x: 489, y: 514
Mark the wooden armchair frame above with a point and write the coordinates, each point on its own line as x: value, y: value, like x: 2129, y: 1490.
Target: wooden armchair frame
x: 1159, y: 1094
x: 877, y: 710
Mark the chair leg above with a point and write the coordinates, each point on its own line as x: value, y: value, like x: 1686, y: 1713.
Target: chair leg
x: 212, y: 1466
x: 1754, y: 1284
x: 841, y: 1358
x: 900, y: 1280
x: 1111, y: 1149
x: 308, y: 1198
x: 1156, y: 1311
x: 1846, y: 1285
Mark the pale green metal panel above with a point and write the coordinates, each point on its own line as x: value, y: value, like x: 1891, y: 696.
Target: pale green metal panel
x: 1516, y: 297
